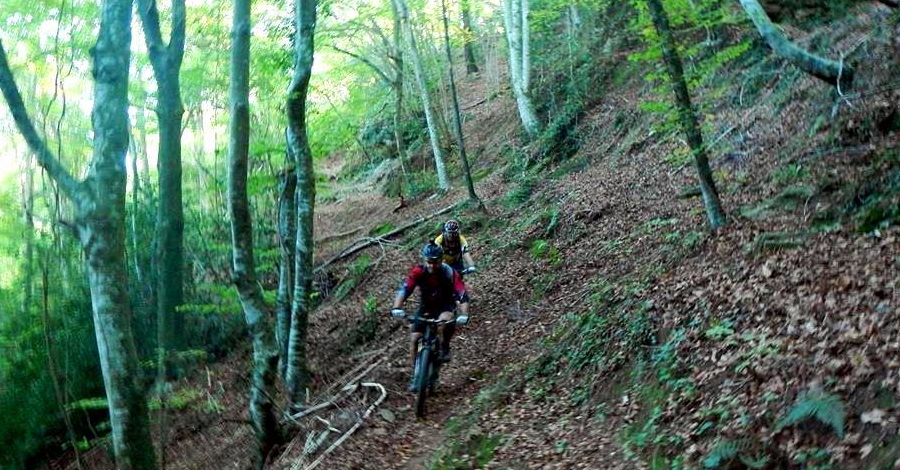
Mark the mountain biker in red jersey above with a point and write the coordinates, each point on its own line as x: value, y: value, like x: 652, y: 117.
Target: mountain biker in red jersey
x: 441, y: 289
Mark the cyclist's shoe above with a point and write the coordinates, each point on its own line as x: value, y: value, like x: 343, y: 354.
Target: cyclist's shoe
x: 445, y: 354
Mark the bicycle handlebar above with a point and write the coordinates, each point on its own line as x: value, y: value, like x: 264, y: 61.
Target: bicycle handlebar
x: 399, y: 313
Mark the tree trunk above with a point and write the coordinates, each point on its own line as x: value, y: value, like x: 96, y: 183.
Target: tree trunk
x: 526, y: 45
x: 28, y: 265
x: 166, y: 61
x: 469, y: 44
x: 512, y: 20
x: 297, y: 377
x: 457, y: 119
x: 573, y: 21
x: 397, y: 86
x: 265, y: 353
x: 287, y: 231
x: 403, y: 10
x: 100, y: 222
x: 835, y: 73
x: 686, y: 115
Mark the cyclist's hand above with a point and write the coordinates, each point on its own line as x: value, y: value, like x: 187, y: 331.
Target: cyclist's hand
x: 462, y: 319
x: 398, y: 313
x: 469, y: 270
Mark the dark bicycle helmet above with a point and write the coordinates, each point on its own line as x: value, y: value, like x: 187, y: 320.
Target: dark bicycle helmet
x: 451, y: 226
x: 432, y: 252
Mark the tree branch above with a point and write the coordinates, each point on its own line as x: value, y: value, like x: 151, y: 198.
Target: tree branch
x: 362, y: 59
x: 835, y: 73
x: 45, y: 157
x: 366, y: 242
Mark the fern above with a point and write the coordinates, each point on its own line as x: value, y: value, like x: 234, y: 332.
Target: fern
x: 723, y: 452
x: 816, y: 403
x: 726, y: 451
x: 754, y: 462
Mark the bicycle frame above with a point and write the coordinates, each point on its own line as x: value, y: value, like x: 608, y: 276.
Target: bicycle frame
x: 427, y: 364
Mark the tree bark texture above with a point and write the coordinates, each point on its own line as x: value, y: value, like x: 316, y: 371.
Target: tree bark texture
x: 287, y: 231
x: 166, y: 61
x: 100, y: 223
x: 469, y: 44
x: 297, y: 376
x: 686, y: 115
x: 835, y: 73
x: 457, y: 119
x: 265, y: 353
x: 418, y: 69
x: 512, y: 20
x: 397, y: 86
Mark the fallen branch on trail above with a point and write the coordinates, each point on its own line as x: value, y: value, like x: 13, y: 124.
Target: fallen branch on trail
x: 352, y: 429
x: 328, y: 238
x: 366, y: 242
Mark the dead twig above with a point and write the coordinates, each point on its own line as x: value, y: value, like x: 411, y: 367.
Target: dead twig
x: 350, y: 431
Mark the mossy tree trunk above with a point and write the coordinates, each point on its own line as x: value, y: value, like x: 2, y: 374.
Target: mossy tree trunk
x: 166, y: 60
x: 457, y: 119
x: 287, y: 231
x: 515, y: 22
x: 686, y: 115
x: 469, y: 44
x: 424, y: 94
x: 835, y: 73
x: 256, y: 314
x: 99, y: 202
x: 297, y: 375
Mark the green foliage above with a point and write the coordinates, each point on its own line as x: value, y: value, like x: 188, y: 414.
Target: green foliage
x: 702, y: 32
x: 719, y: 330
x: 876, y: 197
x: 381, y: 229
x: 476, y: 452
x: 816, y: 403
x: 815, y: 459
x: 356, y: 271
x: 791, y: 174
x: 727, y: 451
x: 543, y: 250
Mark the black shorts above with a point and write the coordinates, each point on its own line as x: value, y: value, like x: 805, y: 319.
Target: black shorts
x: 430, y: 312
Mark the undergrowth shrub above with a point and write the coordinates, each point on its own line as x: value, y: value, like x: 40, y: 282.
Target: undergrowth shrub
x: 827, y: 408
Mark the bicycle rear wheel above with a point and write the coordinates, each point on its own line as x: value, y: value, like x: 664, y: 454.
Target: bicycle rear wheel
x: 423, y: 373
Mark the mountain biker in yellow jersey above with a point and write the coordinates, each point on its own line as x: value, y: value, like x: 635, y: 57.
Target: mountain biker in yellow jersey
x: 441, y: 289
x: 456, y: 248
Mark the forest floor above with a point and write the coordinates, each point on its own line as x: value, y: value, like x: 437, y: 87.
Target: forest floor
x: 610, y: 329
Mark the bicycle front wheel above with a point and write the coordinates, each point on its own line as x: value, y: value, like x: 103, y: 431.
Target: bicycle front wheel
x: 423, y: 373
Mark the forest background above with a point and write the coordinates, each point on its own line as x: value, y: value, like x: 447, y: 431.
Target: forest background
x: 548, y: 91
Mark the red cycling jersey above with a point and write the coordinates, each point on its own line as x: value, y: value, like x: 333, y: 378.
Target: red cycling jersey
x: 439, y: 290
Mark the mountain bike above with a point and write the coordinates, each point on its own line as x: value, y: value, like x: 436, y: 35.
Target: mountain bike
x: 428, y: 364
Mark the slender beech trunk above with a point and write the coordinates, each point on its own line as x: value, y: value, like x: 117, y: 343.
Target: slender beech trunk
x: 430, y: 119
x: 686, y: 115
x: 457, y: 119
x: 287, y: 231
x: 397, y: 86
x: 835, y: 73
x: 166, y: 61
x: 512, y: 20
x: 305, y: 23
x: 28, y: 262
x: 469, y: 44
x: 265, y: 353
x: 525, y: 32
x: 99, y: 202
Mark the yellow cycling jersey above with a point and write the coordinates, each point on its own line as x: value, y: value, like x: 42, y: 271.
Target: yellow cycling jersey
x: 452, y: 251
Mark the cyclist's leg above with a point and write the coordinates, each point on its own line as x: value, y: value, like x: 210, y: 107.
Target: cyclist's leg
x: 416, y: 330
x: 446, y: 332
